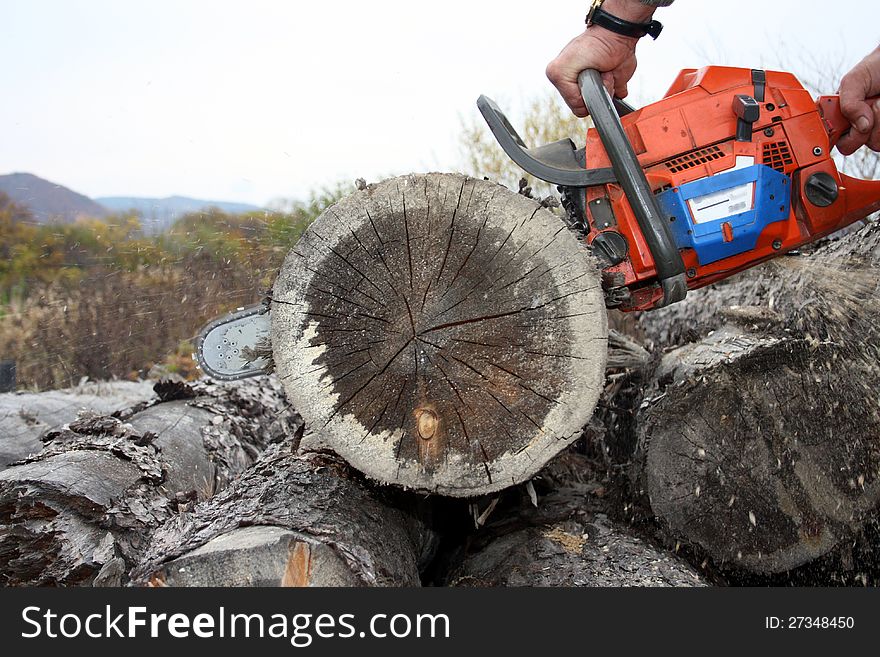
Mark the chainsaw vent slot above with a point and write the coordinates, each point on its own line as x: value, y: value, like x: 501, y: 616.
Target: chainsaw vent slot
x: 694, y: 159
x: 777, y: 155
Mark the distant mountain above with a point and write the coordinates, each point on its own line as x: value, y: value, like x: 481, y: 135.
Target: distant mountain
x: 48, y: 201
x: 157, y: 214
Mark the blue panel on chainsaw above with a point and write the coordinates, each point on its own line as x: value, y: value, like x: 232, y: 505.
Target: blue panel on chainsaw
x: 723, y: 215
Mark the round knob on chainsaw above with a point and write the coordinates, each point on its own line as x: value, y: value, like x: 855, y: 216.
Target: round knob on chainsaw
x: 610, y: 247
x: 821, y: 189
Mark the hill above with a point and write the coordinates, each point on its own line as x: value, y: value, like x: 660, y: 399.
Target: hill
x: 48, y: 201
x: 157, y: 214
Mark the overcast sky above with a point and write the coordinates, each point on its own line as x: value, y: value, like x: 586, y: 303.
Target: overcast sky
x: 251, y: 101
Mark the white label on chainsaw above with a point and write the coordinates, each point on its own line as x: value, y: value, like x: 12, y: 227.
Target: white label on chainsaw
x: 727, y: 202
x: 742, y: 162
x: 723, y: 204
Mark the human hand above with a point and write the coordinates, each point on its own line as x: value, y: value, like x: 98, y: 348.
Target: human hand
x: 611, y: 54
x: 856, y: 87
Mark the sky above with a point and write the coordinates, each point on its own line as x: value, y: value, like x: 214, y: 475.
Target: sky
x: 255, y: 101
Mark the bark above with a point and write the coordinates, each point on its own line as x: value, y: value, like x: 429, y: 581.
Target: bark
x: 81, y: 510
x: 440, y: 333
x: 24, y: 417
x: 568, y: 538
x: 760, y: 442
x: 293, y: 519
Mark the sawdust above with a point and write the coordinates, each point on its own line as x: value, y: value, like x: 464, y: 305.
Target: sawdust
x: 569, y: 542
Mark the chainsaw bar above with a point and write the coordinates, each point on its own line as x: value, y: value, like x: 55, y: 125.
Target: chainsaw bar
x: 236, y: 346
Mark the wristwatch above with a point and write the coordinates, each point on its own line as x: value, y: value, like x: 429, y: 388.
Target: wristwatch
x: 594, y: 6
x: 598, y: 16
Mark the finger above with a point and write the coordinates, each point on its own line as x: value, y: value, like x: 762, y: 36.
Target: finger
x: 619, y: 88
x: 609, y: 82
x: 622, y: 75
x: 568, y: 89
x: 863, y: 126
x: 852, y: 141
x: 874, y: 137
x: 571, y: 94
x: 854, y: 89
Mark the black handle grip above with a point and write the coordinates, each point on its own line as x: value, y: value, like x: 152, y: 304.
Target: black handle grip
x: 629, y: 174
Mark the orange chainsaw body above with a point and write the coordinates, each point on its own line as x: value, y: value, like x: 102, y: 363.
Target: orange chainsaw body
x: 690, y: 143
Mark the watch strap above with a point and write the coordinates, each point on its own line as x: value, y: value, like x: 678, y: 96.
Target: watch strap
x: 602, y: 18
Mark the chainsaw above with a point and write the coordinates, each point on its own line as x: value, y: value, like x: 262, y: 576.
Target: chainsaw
x: 731, y: 168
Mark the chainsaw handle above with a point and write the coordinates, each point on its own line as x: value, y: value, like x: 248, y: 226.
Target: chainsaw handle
x: 836, y: 123
x: 862, y: 196
x: 631, y: 177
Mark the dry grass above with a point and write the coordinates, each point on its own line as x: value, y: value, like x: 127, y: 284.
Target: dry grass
x: 120, y: 324
x: 99, y: 299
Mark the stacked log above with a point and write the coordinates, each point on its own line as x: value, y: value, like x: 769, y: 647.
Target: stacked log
x: 25, y: 416
x: 293, y: 519
x: 444, y: 335
x: 568, y: 535
x: 82, y: 510
x: 759, y: 433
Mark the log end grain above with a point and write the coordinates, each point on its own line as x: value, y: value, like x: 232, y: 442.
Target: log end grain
x: 257, y: 556
x: 440, y: 333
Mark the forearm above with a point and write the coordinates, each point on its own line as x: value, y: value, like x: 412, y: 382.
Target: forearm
x: 638, y: 11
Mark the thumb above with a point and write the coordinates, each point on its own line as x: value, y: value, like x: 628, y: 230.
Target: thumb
x: 854, y: 89
x: 861, y: 117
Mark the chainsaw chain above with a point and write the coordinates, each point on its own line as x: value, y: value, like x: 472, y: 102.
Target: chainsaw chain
x: 575, y: 219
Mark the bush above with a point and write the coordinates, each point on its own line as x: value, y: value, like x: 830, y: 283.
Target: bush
x: 98, y: 299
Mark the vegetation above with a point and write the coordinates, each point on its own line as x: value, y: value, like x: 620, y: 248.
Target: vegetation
x: 543, y: 120
x: 98, y: 299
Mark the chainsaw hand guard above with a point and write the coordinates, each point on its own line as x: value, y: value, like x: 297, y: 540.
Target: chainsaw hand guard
x: 558, y: 163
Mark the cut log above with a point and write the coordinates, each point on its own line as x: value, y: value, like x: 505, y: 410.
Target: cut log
x: 24, y: 417
x: 291, y: 520
x: 440, y: 333
x: 591, y: 551
x: 263, y: 555
x: 83, y: 508
x: 760, y: 442
x: 567, y: 539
